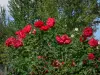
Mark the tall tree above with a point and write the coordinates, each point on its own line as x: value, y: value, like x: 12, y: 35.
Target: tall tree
x: 79, y: 12
x: 69, y: 12
x: 23, y: 11
x: 5, y: 31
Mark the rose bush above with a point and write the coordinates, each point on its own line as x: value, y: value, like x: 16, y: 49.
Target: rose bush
x: 40, y: 50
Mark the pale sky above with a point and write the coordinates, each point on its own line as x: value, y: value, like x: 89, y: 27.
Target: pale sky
x: 4, y: 3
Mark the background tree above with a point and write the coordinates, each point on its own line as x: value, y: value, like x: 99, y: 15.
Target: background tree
x: 5, y: 31
x: 22, y: 11
x: 69, y: 12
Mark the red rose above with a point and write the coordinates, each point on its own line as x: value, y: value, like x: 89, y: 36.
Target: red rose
x: 87, y: 32
x: 59, y: 40
x: 82, y: 38
x: 17, y: 43
x: 9, y: 41
x: 44, y: 28
x: 40, y: 57
x: 99, y: 59
x: 63, y: 63
x: 73, y: 63
x: 21, y: 34
x: 68, y: 41
x: 50, y: 22
x: 27, y: 28
x: 84, y: 62
x: 19, y: 38
x: 46, y: 71
x: 34, y: 31
x: 91, y: 56
x: 96, y: 65
x: 64, y: 39
x: 56, y: 64
x: 13, y: 42
x: 32, y: 73
x: 92, y: 42
x: 38, y: 23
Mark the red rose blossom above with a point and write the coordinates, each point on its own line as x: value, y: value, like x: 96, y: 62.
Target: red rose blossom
x: 56, y: 64
x: 84, y: 62
x: 82, y: 38
x: 9, y: 41
x: 44, y: 28
x: 38, y: 23
x: 59, y: 40
x: 87, y: 32
x: 21, y: 34
x: 73, y: 63
x: 91, y: 56
x: 40, y: 57
x: 68, y: 41
x: 17, y: 43
x: 32, y: 73
x: 63, y: 63
x: 64, y: 39
x: 27, y: 28
x: 96, y: 65
x: 46, y: 71
x: 92, y: 42
x: 50, y: 22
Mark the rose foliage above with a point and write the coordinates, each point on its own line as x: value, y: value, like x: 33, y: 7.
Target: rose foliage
x: 40, y: 50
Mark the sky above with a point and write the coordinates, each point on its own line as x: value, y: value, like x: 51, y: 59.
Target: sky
x: 97, y: 33
x: 4, y: 3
